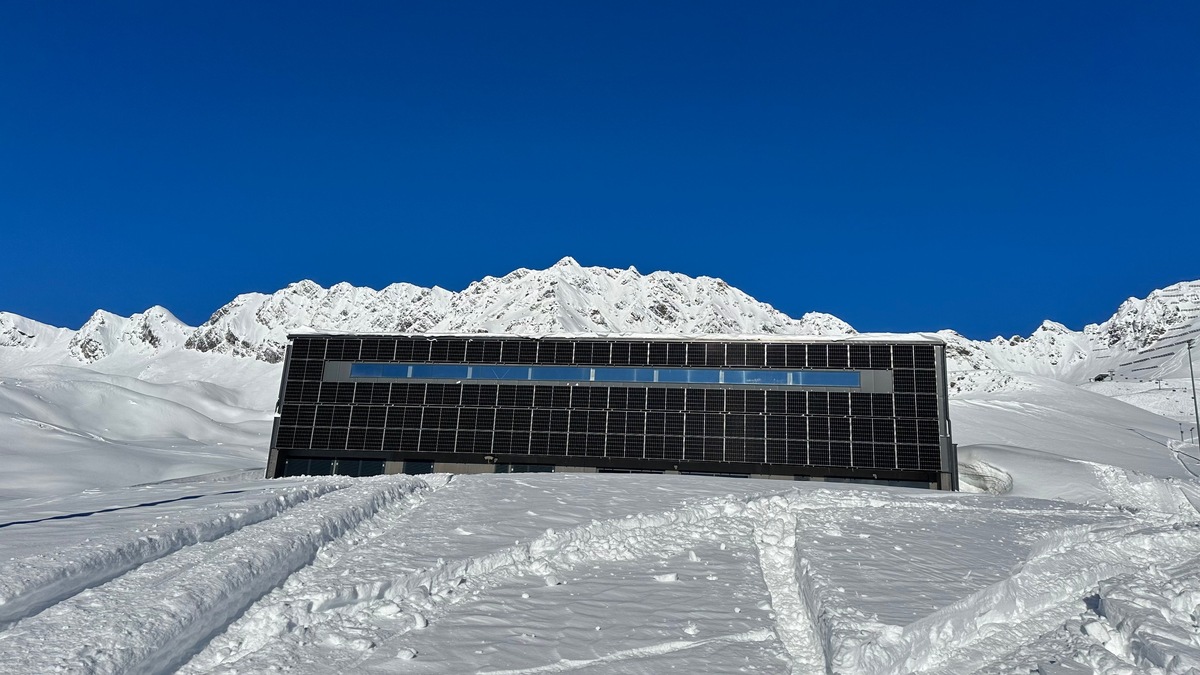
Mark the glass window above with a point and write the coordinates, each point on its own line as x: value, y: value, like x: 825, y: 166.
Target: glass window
x: 565, y: 374
x: 689, y: 375
x: 499, y: 373
x: 749, y: 376
x: 439, y: 372
x: 318, y: 466
x: 392, y: 370
x: 624, y: 374
x: 827, y: 378
x: 776, y: 377
x: 411, y: 467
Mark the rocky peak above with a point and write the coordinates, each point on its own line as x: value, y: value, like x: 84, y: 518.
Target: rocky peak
x: 146, y: 333
x: 17, y: 331
x: 565, y: 297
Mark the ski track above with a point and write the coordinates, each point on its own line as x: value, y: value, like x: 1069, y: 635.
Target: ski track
x: 269, y: 632
x: 247, y: 590
x: 775, y: 537
x: 28, y: 586
x: 260, y: 622
x: 1149, y: 618
x: 197, y: 590
x: 426, y: 593
x: 1047, y: 591
x: 640, y: 652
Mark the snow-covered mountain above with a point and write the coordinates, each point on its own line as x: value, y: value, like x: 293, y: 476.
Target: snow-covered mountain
x: 150, y: 332
x: 1144, y: 340
x: 563, y: 298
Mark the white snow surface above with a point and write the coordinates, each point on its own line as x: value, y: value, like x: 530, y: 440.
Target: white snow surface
x: 136, y: 535
x: 551, y: 573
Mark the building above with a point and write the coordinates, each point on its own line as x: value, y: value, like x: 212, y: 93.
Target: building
x: 857, y: 408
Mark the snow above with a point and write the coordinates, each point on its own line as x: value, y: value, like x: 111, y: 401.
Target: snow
x: 137, y: 535
x: 649, y: 574
x: 66, y: 429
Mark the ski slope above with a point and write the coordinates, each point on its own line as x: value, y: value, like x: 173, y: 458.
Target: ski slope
x: 549, y: 573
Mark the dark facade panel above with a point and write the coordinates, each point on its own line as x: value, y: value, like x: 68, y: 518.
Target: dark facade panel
x: 888, y: 419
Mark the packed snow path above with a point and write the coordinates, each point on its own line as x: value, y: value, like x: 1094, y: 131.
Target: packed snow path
x: 550, y: 573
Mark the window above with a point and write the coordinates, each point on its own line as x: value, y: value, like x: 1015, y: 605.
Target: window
x: 749, y: 377
x: 560, y: 374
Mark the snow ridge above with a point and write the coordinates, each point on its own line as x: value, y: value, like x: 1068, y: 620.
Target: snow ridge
x: 1144, y: 339
x: 564, y: 298
x: 29, y: 585
x: 202, y: 587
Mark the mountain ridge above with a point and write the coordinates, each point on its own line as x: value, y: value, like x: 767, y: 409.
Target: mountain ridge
x: 1143, y: 339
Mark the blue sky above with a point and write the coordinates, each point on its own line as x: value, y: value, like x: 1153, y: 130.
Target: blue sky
x: 903, y: 165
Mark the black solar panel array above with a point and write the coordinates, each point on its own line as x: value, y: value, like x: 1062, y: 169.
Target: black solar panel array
x: 630, y: 422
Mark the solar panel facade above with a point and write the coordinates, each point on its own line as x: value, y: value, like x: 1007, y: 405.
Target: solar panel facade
x: 834, y: 409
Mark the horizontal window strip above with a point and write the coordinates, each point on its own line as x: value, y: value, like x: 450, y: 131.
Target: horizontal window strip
x: 787, y: 378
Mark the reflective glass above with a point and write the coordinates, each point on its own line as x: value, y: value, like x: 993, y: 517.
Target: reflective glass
x: 827, y: 378
x: 564, y: 374
x: 624, y: 374
x: 689, y: 375
x: 796, y: 378
x: 393, y: 370
x: 423, y: 372
x: 766, y: 377
x: 499, y: 373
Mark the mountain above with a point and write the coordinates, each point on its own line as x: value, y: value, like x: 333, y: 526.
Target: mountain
x: 1144, y: 340
x: 150, y: 332
x: 17, y: 332
x: 563, y: 298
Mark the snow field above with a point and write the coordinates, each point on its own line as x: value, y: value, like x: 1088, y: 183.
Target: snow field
x: 1040, y: 596
x: 322, y: 601
x: 595, y: 574
x: 319, y: 623
x: 68, y: 429
x: 1151, y: 617
x: 195, y: 591
x: 29, y: 584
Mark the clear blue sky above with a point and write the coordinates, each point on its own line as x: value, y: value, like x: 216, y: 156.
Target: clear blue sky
x: 903, y: 165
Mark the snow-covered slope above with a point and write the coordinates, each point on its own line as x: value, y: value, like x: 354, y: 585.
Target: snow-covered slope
x: 17, y: 332
x: 600, y: 574
x: 65, y: 429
